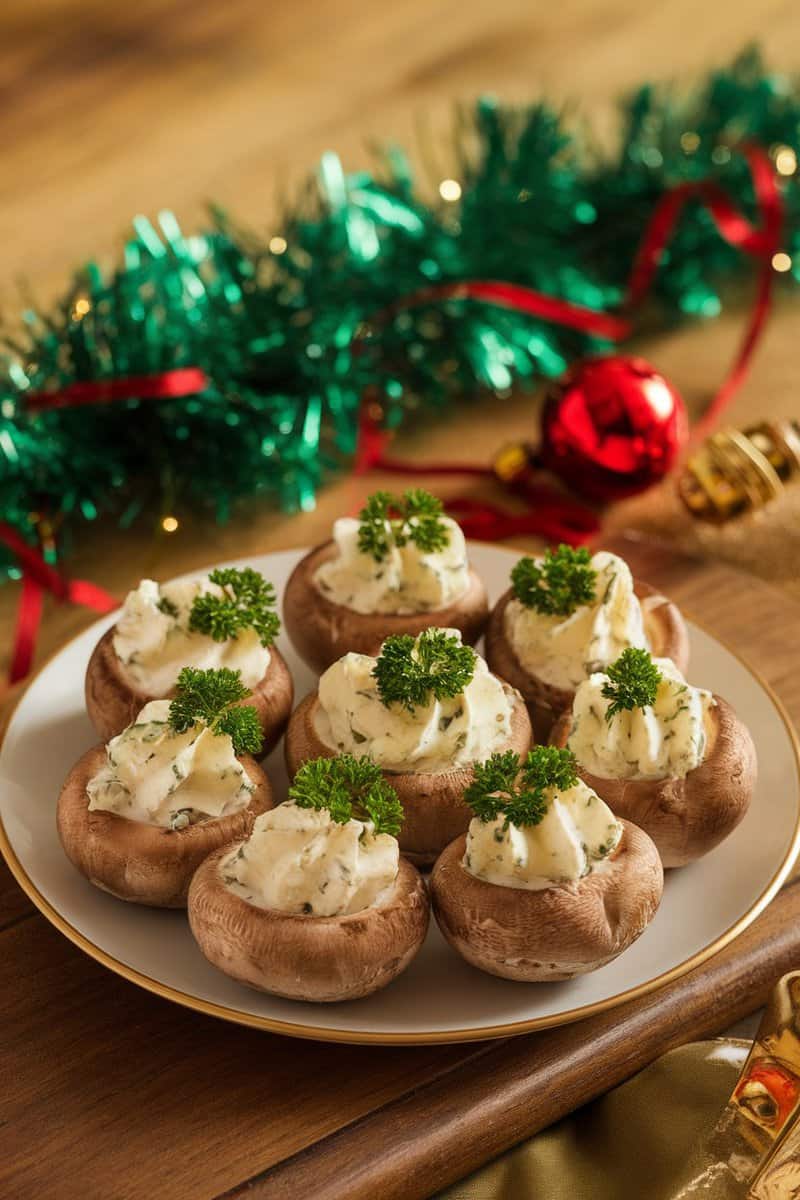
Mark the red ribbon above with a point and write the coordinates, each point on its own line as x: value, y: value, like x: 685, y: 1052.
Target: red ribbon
x: 559, y: 519
x: 550, y: 514
x: 162, y: 385
x: 39, y: 577
x: 760, y: 241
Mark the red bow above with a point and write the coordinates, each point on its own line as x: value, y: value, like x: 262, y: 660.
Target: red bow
x: 39, y: 577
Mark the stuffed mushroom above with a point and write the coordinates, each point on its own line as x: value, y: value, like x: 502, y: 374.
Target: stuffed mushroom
x: 673, y: 758
x: 316, y: 904
x: 425, y: 710
x: 567, y: 615
x: 138, y: 816
x: 397, y: 569
x: 547, y: 883
x: 225, y: 619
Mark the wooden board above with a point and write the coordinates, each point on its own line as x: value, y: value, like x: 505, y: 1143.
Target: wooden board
x: 116, y: 1091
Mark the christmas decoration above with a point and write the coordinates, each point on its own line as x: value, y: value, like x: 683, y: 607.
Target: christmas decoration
x: 737, y: 471
x: 612, y: 427
x: 39, y: 577
x: 218, y: 367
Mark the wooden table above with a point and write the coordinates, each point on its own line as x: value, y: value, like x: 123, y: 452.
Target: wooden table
x: 109, y: 110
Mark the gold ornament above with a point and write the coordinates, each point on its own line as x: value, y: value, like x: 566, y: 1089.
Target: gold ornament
x: 736, y: 471
x: 511, y: 461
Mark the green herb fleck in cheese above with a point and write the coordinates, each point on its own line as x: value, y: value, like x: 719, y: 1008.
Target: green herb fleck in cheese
x: 172, y: 780
x: 299, y: 860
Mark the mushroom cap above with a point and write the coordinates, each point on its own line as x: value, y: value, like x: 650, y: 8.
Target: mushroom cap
x: 664, y: 626
x: 321, y: 631
x: 113, y: 700
x: 686, y: 817
x: 555, y: 933
x: 136, y: 861
x: 434, y: 807
x: 322, y: 959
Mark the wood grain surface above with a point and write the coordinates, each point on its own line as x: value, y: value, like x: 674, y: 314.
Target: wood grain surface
x: 446, y: 1128
x: 109, y: 110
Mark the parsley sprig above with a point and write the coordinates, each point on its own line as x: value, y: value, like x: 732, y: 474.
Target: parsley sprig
x: 386, y: 521
x: 504, y: 786
x: 411, y: 670
x: 557, y: 584
x: 247, y: 602
x: 348, y: 787
x: 632, y: 682
x: 212, y: 698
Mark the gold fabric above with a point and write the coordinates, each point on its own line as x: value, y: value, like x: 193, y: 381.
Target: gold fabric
x: 631, y: 1144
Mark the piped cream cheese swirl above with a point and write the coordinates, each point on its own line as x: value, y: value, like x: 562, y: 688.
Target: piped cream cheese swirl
x: 562, y: 651
x: 159, y: 777
x: 152, y: 639
x: 434, y: 737
x: 406, y: 580
x: 575, y: 837
x: 664, y: 740
x: 298, y: 860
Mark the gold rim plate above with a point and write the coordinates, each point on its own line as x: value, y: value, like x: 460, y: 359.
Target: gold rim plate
x: 419, y: 1037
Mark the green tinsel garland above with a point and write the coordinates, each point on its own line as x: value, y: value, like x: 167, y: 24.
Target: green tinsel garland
x: 272, y: 324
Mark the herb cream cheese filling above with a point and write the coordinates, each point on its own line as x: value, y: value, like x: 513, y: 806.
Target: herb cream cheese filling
x: 406, y: 580
x: 664, y: 740
x: 159, y: 777
x: 562, y: 651
x: 298, y: 860
x: 575, y: 837
x: 433, y: 737
x: 152, y: 639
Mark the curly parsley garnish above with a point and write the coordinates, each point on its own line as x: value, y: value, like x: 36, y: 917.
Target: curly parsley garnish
x: 212, y: 698
x: 348, y: 787
x: 557, y: 584
x: 247, y: 602
x: 386, y: 521
x: 504, y: 786
x: 632, y: 682
x: 411, y: 670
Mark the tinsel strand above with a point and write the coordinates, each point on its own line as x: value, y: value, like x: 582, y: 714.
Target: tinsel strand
x: 270, y: 324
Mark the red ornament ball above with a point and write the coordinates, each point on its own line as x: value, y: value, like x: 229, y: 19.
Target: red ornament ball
x: 611, y: 427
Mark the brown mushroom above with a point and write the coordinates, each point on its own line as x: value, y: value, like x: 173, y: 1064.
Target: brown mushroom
x: 686, y: 817
x: 133, y: 860
x: 301, y: 957
x: 433, y: 804
x: 555, y: 933
x: 322, y: 631
x: 113, y: 700
x: 663, y: 624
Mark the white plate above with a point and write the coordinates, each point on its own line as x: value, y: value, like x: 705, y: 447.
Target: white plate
x: 439, y: 998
